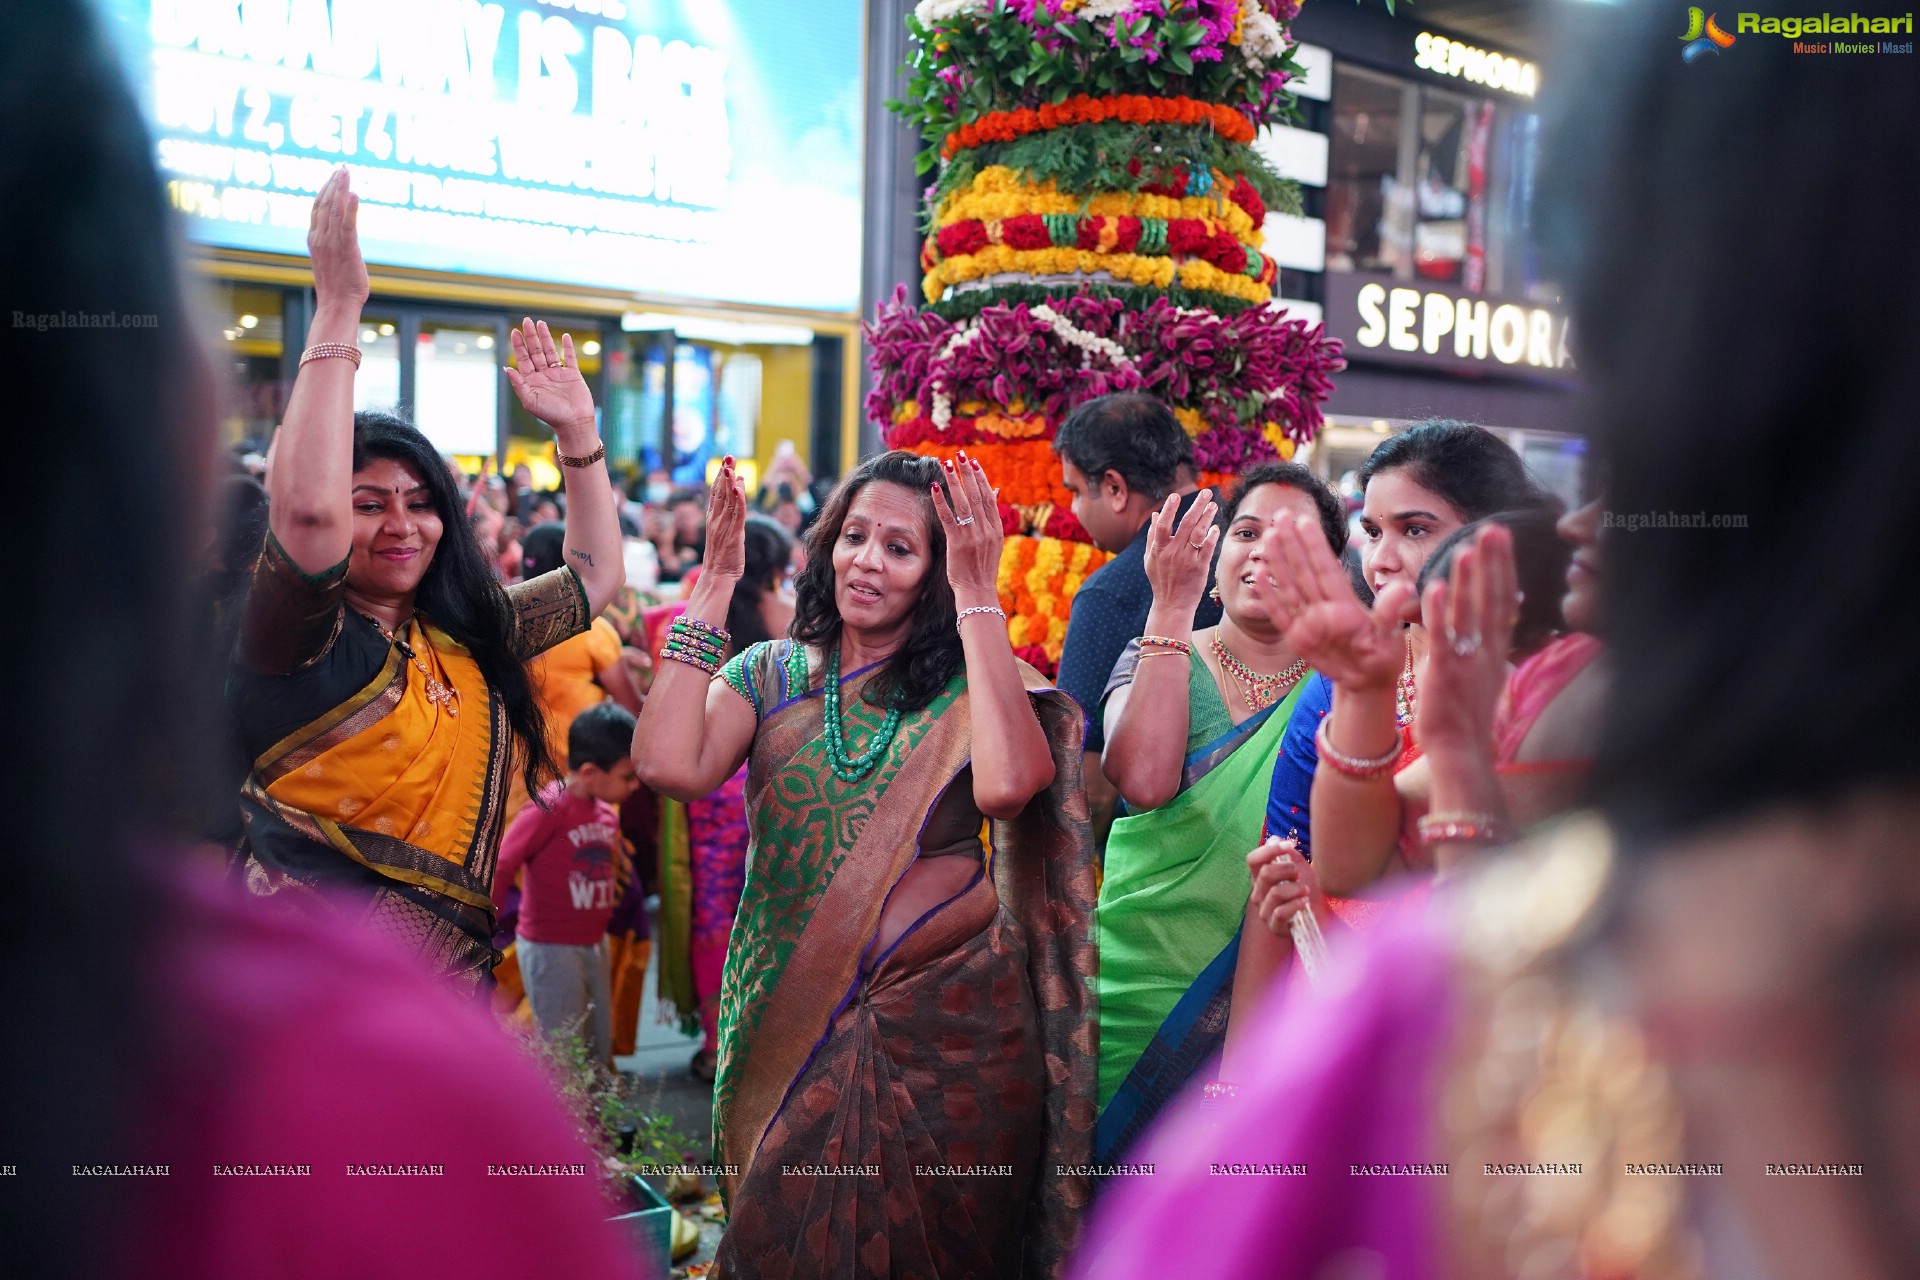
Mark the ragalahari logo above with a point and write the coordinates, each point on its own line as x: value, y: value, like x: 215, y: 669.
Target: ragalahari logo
x: 1703, y: 34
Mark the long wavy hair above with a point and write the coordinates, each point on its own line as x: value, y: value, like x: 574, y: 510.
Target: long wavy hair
x: 931, y: 655
x: 769, y: 549
x: 458, y: 591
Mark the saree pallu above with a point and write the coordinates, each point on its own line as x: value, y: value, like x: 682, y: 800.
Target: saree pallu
x: 391, y: 795
x: 1167, y: 927
x: 961, y: 1066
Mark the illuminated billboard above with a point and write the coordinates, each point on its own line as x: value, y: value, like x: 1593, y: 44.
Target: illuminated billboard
x: 699, y: 148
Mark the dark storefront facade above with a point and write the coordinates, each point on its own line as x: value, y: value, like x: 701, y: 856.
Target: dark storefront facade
x: 1418, y: 152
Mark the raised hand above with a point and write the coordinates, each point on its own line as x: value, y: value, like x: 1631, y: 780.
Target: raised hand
x: 726, y: 556
x: 1469, y: 618
x: 333, y: 245
x: 547, y: 379
x: 1321, y: 618
x: 969, y: 513
x: 1179, y: 554
x: 1283, y: 885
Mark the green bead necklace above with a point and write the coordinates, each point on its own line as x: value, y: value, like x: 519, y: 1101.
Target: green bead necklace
x: 852, y: 768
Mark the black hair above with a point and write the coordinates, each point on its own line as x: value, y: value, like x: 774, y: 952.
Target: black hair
x: 1332, y: 512
x: 543, y: 549
x: 1469, y: 466
x: 109, y: 631
x: 1757, y: 665
x: 1128, y: 432
x: 930, y: 655
x: 601, y: 735
x: 458, y: 592
x: 684, y: 495
x: 1540, y: 560
x: 240, y: 507
x: 769, y: 550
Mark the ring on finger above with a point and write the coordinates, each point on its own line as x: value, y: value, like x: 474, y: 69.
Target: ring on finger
x: 964, y: 520
x: 1467, y: 645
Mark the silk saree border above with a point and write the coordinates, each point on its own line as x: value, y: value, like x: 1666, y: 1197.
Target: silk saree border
x: 367, y: 707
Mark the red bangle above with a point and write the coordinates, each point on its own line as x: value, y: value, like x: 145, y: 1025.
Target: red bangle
x: 1358, y: 767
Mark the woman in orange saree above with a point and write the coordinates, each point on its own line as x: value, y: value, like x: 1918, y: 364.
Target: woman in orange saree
x: 906, y: 1036
x: 380, y: 683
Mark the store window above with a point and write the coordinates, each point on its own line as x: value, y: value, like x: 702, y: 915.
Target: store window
x: 377, y: 384
x: 250, y: 337
x: 1425, y: 183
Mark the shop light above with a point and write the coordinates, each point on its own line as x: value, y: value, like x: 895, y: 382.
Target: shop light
x: 368, y: 336
x: 589, y: 348
x: 484, y: 342
x: 248, y: 322
x: 729, y: 332
x: 386, y: 331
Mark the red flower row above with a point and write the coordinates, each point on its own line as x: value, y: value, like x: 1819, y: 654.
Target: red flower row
x: 1176, y: 237
x: 1133, y: 108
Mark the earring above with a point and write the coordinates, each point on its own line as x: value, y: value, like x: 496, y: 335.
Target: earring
x: 1214, y: 593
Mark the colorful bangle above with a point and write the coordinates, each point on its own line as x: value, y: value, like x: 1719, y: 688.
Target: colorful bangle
x: 691, y: 660
x: 1358, y: 767
x: 586, y: 461
x: 330, y: 351
x: 1166, y: 642
x: 704, y: 635
x: 1462, y: 828
x: 979, y: 608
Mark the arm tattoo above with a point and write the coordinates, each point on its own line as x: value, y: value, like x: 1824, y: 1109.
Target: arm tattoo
x: 582, y: 555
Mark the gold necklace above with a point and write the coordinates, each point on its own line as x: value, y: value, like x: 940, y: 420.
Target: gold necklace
x: 439, y: 693
x: 1406, y: 698
x: 1258, y: 691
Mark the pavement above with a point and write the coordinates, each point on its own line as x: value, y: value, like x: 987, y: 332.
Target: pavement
x: 659, y: 1066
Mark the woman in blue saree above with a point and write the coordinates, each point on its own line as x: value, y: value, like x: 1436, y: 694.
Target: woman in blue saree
x: 1190, y: 746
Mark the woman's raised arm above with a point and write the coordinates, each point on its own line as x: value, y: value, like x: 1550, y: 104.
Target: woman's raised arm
x: 547, y: 379
x: 1147, y: 718
x: 694, y: 731
x: 1012, y: 761
x: 1356, y: 819
x: 311, y: 483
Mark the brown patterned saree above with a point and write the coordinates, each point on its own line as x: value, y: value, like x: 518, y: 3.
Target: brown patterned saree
x: 931, y: 1116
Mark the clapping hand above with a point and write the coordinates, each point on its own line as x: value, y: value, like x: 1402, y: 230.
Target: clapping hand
x: 1321, y: 618
x: 1179, y: 554
x: 726, y: 556
x: 969, y: 513
x: 547, y: 380
x: 1283, y: 885
x: 1470, y: 618
x: 333, y: 245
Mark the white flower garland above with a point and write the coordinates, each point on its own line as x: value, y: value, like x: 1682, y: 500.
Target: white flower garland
x: 1261, y: 39
x: 929, y: 12
x: 1090, y: 344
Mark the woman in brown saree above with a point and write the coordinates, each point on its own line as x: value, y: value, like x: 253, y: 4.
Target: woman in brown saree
x: 905, y: 1081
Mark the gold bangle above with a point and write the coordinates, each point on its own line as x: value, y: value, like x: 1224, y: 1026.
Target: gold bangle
x: 330, y: 351
x: 587, y: 461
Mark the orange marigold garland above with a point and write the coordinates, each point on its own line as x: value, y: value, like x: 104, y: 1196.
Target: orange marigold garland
x: 1128, y: 108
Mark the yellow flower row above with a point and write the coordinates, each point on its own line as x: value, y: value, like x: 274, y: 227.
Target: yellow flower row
x: 1000, y: 192
x: 1129, y: 268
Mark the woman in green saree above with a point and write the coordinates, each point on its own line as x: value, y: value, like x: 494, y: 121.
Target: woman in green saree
x: 905, y: 1077
x: 1190, y: 746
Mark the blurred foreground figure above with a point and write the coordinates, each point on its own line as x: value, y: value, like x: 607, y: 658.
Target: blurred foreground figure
x: 1618, y: 1037
x: 161, y: 1030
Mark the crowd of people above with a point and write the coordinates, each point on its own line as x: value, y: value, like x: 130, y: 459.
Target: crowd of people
x: 1520, y: 908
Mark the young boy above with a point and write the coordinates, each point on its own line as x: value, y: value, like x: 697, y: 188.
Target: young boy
x: 573, y: 853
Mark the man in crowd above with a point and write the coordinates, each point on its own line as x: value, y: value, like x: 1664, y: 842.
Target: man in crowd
x: 1120, y: 456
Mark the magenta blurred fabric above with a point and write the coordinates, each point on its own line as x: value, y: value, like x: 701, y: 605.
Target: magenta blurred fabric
x: 1349, y: 1074
x: 285, y: 1043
